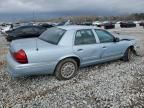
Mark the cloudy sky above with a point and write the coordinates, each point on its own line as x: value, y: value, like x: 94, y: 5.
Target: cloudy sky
x: 10, y: 9
x: 74, y: 6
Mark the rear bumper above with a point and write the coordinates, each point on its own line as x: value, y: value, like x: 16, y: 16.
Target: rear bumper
x: 19, y: 70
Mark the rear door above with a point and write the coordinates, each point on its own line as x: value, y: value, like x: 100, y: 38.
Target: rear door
x: 86, y: 47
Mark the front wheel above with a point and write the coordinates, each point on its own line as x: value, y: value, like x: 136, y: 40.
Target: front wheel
x: 66, y: 69
x: 128, y: 55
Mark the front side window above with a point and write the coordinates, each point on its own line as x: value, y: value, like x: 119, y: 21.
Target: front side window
x: 104, y: 36
x: 18, y: 30
x: 39, y: 29
x: 52, y: 35
x: 84, y: 37
x: 27, y: 30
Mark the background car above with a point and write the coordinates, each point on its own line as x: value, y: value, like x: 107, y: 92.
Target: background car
x: 46, y: 25
x: 97, y: 23
x: 5, y: 27
x: 108, y: 25
x: 64, y: 23
x: 87, y: 23
x: 62, y: 50
x: 24, y: 32
x: 141, y: 23
x: 127, y: 24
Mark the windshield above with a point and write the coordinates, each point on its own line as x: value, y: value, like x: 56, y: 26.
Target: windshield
x: 52, y: 35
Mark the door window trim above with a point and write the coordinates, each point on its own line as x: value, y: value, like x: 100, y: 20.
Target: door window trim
x: 104, y: 31
x: 75, y: 32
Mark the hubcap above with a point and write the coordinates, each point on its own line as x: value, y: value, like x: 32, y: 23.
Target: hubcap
x: 67, y: 70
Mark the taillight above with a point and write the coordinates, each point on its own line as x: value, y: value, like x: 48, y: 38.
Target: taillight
x: 20, y: 56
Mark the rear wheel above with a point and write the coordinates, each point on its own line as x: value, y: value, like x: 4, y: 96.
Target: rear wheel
x: 66, y: 69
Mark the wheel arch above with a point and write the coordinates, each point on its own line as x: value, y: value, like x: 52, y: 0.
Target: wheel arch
x: 76, y: 58
x: 132, y: 49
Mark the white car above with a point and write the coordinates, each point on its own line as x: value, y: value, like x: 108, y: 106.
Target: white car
x: 97, y: 23
x: 5, y: 29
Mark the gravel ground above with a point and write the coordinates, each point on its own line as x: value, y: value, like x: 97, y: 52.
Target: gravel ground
x: 115, y: 84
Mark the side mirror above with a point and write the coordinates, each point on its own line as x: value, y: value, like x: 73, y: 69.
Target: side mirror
x: 116, y: 39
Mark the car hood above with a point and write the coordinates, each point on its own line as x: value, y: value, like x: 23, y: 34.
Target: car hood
x: 29, y: 44
x: 128, y: 38
x: 122, y: 36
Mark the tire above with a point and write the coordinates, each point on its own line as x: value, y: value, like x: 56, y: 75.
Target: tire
x: 65, y: 66
x: 127, y: 55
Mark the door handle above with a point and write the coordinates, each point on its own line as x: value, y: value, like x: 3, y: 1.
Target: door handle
x: 104, y: 47
x: 80, y: 50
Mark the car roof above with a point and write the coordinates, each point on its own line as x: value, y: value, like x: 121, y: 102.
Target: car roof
x: 25, y: 26
x: 77, y: 27
x: 28, y: 26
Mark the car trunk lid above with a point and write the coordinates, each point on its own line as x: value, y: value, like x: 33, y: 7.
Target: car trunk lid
x: 29, y: 44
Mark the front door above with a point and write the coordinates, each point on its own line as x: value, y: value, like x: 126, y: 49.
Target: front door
x: 111, y: 49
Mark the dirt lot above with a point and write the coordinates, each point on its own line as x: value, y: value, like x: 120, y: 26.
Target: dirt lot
x: 115, y: 84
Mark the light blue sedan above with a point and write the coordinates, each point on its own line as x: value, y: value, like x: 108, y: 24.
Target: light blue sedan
x: 62, y: 50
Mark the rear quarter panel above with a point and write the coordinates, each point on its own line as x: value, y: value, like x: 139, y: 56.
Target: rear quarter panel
x: 49, y: 53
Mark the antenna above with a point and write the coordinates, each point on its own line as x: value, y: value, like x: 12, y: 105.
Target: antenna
x: 33, y: 16
x: 36, y: 45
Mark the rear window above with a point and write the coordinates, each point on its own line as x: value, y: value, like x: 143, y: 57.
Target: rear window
x: 52, y: 35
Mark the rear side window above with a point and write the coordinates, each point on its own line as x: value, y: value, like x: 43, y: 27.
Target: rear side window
x: 104, y: 36
x: 27, y: 30
x: 84, y: 37
x: 17, y: 30
x: 52, y: 35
